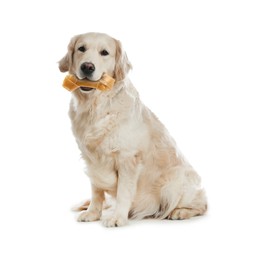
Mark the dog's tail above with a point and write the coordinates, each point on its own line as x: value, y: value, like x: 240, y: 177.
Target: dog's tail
x: 109, y: 202
x: 83, y: 206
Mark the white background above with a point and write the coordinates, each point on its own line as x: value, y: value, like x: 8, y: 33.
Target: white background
x: 193, y: 66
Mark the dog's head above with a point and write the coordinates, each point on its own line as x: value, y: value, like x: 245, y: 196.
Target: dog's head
x: 91, y: 55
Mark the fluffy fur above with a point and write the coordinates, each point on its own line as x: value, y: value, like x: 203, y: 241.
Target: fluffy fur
x: 129, y: 153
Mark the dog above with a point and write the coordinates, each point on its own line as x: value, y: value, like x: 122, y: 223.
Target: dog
x: 128, y: 152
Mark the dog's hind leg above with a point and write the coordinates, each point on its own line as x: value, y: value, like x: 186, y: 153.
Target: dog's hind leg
x: 181, y: 195
x: 196, y: 208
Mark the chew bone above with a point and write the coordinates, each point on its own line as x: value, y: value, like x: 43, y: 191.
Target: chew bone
x: 105, y: 83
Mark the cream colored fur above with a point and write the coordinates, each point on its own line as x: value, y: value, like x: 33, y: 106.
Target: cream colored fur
x: 129, y: 153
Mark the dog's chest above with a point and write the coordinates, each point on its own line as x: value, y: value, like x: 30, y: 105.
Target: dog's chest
x: 93, y: 128
x: 95, y: 136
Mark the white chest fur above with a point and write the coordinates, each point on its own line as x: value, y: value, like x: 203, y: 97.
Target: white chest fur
x: 105, y: 128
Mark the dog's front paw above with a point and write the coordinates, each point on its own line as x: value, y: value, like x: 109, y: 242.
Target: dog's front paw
x: 88, y: 216
x: 115, y: 221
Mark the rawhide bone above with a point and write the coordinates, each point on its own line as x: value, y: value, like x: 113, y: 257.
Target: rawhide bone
x: 105, y: 83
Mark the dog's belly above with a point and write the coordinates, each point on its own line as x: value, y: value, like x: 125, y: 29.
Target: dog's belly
x: 107, y: 183
x: 103, y: 175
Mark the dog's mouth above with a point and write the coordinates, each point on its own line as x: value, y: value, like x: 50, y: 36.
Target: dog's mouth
x: 86, y: 89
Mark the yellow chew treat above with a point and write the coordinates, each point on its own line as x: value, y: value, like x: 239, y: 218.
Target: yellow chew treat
x: 105, y: 83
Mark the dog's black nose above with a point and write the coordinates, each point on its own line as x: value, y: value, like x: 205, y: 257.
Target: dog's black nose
x: 87, y: 68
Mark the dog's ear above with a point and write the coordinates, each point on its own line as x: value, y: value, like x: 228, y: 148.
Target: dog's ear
x: 63, y: 64
x: 66, y: 62
x: 123, y: 65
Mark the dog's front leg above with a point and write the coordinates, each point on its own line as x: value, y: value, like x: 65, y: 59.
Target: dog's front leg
x: 128, y: 174
x: 94, y: 210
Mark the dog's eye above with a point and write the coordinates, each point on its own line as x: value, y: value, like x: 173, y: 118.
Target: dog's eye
x: 104, y: 53
x: 82, y: 49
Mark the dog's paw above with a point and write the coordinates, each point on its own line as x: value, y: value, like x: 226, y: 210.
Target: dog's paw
x: 114, y: 221
x: 183, y: 213
x: 88, y: 216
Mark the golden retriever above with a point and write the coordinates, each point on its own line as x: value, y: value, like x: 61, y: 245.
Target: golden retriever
x: 128, y: 152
